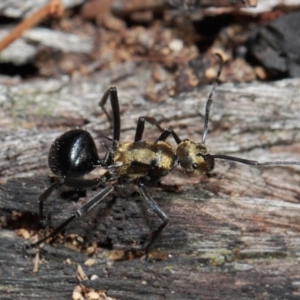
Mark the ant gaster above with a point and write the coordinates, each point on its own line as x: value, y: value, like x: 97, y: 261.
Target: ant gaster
x: 74, y: 154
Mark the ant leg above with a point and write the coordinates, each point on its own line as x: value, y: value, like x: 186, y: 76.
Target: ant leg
x: 78, y: 213
x: 163, y: 136
x: 141, y: 125
x: 81, y: 183
x: 44, y: 196
x: 70, y: 182
x: 209, y: 100
x: 156, y: 209
x: 254, y: 162
x: 112, y: 93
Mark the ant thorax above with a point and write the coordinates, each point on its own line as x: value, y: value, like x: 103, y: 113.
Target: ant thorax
x: 143, y: 159
x: 194, y: 158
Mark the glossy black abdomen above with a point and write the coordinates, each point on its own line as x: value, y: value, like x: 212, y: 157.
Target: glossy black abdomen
x: 73, y: 154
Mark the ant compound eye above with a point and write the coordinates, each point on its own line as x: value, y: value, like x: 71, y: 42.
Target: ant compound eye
x: 195, y: 166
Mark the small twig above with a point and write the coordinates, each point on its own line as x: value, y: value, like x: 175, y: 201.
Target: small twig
x: 36, y: 262
x: 127, y: 7
x: 252, y: 3
x: 52, y: 9
x: 196, y: 4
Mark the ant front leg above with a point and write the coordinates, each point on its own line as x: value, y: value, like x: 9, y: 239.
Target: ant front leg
x: 114, y: 101
x: 141, y: 126
x: 168, y: 131
x: 157, y: 210
x: 164, y: 132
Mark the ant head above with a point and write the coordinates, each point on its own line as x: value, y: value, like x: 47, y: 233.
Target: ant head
x: 194, y: 158
x: 73, y: 154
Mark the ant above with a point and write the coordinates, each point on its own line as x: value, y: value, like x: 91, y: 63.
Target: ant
x: 74, y: 154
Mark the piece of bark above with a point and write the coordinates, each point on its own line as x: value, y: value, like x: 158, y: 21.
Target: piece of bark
x: 97, y: 8
x: 234, y: 235
x: 269, y: 5
x: 200, y: 4
x: 22, y: 51
x: 19, y: 9
x: 275, y: 45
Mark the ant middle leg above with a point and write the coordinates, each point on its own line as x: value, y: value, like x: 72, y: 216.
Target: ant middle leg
x: 157, y: 210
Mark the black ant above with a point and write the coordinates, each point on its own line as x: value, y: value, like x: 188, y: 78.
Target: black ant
x: 74, y: 154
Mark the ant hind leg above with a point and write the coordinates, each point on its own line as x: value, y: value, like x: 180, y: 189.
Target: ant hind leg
x: 78, y: 213
x: 70, y: 182
x: 44, y: 196
x: 114, y: 101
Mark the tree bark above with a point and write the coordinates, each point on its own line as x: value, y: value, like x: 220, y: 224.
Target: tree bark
x: 232, y: 235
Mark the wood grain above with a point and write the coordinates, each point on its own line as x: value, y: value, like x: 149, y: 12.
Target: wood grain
x: 232, y: 235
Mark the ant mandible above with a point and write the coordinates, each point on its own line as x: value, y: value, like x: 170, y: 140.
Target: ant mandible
x: 74, y: 154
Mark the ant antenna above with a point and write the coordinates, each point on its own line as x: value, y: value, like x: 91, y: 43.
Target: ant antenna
x: 209, y: 100
x: 254, y: 162
x: 233, y: 158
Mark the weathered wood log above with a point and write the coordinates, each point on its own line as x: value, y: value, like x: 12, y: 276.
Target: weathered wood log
x: 233, y: 235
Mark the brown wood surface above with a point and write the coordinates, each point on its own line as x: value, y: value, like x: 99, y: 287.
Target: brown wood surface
x: 233, y: 235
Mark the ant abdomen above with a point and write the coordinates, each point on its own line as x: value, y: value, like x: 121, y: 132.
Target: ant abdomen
x: 73, y: 154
